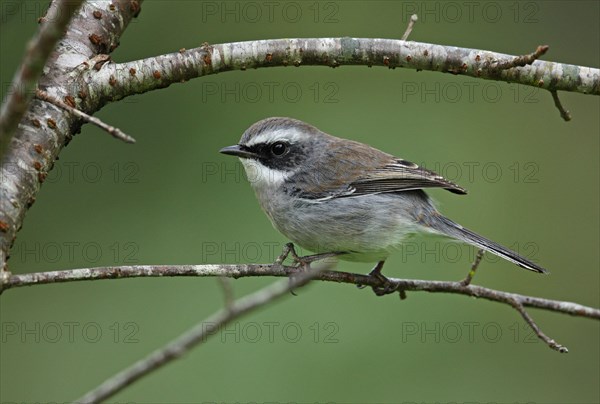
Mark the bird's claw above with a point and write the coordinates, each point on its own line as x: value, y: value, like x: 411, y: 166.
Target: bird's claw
x: 385, y: 286
x: 301, y: 263
x: 305, y: 261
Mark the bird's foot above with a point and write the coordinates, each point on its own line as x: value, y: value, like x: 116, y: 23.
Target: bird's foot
x: 385, y: 286
x: 302, y: 263
x: 305, y: 261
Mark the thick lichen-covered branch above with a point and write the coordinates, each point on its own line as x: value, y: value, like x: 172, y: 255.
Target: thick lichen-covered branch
x: 45, y: 128
x: 26, y: 79
x: 115, y: 81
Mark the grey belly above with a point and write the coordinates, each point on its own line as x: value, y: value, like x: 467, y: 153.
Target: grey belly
x: 368, y: 227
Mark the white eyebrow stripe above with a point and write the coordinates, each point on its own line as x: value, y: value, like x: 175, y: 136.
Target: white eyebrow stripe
x: 404, y: 165
x: 290, y: 135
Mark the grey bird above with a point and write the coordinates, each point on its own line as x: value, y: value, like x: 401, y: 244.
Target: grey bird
x: 328, y: 194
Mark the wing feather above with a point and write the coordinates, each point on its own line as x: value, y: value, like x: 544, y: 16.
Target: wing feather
x: 402, y: 176
x: 346, y: 170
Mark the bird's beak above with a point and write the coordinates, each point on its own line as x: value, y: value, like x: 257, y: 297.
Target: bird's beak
x: 237, y: 150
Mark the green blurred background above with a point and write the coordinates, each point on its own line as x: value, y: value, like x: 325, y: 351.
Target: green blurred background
x: 173, y: 199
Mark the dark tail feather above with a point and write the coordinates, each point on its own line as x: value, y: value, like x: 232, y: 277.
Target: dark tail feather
x: 455, y: 230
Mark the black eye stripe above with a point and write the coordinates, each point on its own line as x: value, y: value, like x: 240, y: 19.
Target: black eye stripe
x: 266, y: 150
x: 292, y: 154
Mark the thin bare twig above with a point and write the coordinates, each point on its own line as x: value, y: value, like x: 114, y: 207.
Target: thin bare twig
x: 227, y: 291
x: 248, y: 270
x: 564, y: 114
x: 471, y: 274
x: 115, y: 132
x: 409, y: 28
x: 529, y: 320
x: 198, y: 334
x: 25, y: 80
x: 523, y: 60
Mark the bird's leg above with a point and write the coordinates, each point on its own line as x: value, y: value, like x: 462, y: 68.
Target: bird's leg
x: 301, y: 262
x: 375, y: 272
x: 284, y: 253
x: 305, y: 261
x: 387, y: 286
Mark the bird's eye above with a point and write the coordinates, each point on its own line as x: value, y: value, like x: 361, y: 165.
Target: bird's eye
x: 279, y: 148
